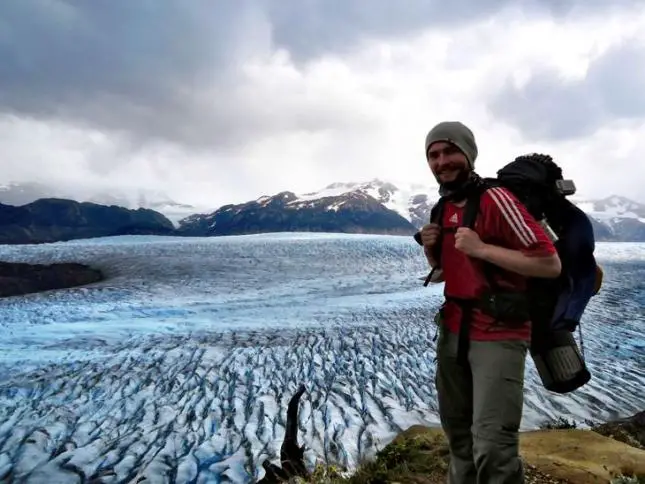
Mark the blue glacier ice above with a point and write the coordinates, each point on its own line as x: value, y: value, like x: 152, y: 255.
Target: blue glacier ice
x: 179, y: 366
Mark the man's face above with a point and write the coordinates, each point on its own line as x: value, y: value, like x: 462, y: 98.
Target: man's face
x: 447, y: 162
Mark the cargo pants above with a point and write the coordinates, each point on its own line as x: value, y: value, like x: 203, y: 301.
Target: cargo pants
x: 480, y: 407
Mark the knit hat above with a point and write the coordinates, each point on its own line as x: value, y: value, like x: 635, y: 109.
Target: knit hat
x: 456, y: 133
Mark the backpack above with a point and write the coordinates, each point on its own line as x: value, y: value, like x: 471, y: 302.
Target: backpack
x: 554, y: 306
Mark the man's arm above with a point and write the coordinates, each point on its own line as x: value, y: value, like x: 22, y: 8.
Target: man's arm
x: 529, y: 250
x: 548, y: 266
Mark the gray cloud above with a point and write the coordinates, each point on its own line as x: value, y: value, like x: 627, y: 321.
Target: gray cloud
x: 117, y: 64
x: 309, y: 28
x: 549, y: 108
x: 170, y: 70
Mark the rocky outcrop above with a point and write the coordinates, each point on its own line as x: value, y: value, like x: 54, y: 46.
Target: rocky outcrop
x: 580, y: 456
x: 630, y: 430
x: 608, y: 453
x: 292, y: 462
x: 613, y: 452
x: 571, y: 456
x: 20, y: 278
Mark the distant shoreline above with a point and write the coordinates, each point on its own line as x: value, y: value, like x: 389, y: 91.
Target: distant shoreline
x: 19, y: 278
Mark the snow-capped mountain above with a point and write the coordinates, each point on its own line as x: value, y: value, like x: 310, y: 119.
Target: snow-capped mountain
x: 410, y: 200
x: 375, y: 206
x: 611, y: 209
x: 614, y: 218
x: 333, y: 210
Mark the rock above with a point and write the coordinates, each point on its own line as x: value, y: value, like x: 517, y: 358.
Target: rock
x: 21, y: 278
x: 550, y: 456
x: 420, y: 455
x: 580, y: 456
x: 630, y: 430
x: 291, y: 454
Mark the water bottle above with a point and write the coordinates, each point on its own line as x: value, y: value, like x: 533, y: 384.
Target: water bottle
x: 549, y: 231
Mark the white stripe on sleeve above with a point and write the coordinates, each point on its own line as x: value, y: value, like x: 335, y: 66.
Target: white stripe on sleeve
x: 512, y: 215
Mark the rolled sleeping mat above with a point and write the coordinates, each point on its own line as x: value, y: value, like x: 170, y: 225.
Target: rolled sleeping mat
x: 559, y: 363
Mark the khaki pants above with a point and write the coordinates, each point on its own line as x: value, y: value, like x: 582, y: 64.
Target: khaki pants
x: 480, y: 406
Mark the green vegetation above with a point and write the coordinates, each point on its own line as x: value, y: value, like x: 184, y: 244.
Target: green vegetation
x: 559, y: 423
x: 420, y: 456
x: 622, y: 479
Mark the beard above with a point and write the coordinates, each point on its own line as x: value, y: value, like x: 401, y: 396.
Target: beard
x: 459, y: 181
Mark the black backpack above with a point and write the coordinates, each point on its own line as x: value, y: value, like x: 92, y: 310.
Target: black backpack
x: 554, y: 306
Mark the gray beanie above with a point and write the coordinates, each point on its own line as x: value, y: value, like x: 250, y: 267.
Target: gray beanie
x: 459, y: 135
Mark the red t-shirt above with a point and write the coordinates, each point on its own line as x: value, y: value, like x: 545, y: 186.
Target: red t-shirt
x: 502, y: 221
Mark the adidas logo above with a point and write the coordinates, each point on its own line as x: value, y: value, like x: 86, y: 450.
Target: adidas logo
x: 454, y: 219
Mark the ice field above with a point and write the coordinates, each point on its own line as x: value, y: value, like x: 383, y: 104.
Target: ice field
x: 179, y: 366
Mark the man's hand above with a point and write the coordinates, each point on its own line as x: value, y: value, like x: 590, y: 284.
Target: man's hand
x: 468, y: 242
x: 429, y: 235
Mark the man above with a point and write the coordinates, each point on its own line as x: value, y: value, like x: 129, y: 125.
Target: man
x: 481, y: 398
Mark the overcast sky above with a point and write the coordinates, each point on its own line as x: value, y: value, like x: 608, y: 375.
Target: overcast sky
x: 218, y: 101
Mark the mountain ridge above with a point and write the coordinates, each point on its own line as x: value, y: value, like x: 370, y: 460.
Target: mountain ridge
x: 352, y: 212
x: 22, y: 193
x: 375, y: 206
x: 52, y: 220
x: 614, y: 218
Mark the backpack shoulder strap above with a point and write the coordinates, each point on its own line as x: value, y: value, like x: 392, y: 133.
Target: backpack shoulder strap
x: 436, y: 214
x: 471, y: 209
x: 436, y: 217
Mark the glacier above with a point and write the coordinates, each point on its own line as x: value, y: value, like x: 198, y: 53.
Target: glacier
x: 178, y: 367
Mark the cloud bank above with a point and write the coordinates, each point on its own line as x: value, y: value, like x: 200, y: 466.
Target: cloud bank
x: 217, y: 102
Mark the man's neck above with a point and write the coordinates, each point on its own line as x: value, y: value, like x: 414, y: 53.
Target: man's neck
x: 456, y: 191
x: 460, y: 193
